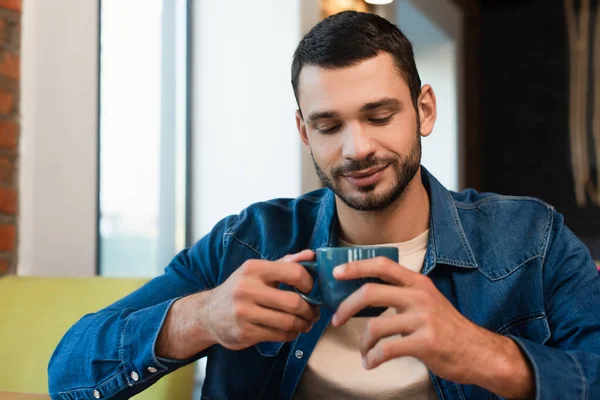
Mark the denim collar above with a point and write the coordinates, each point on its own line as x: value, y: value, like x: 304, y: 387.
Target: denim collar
x: 448, y: 243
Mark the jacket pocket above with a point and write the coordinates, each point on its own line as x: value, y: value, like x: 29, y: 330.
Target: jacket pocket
x: 533, y: 327
x: 269, y: 349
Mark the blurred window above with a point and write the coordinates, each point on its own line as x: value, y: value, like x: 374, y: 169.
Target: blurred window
x: 143, y: 130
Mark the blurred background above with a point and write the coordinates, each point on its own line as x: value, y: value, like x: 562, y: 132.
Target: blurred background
x: 128, y: 128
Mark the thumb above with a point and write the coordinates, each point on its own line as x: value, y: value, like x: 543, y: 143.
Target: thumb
x: 304, y: 255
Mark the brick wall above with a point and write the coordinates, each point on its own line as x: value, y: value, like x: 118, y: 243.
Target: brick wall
x: 10, y: 35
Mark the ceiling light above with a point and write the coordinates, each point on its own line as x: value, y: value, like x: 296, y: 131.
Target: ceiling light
x: 378, y: 1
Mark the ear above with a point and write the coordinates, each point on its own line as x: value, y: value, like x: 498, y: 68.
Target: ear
x: 302, y: 130
x: 427, y: 108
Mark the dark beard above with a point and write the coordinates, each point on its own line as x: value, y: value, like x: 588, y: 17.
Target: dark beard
x: 406, y: 169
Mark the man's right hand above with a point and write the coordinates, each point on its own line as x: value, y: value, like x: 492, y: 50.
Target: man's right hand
x: 249, y: 308
x: 246, y: 309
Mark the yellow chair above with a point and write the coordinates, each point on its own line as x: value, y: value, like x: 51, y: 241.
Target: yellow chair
x: 36, y: 312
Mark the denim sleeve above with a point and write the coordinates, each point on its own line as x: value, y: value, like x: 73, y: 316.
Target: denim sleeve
x: 568, y: 365
x: 110, y: 353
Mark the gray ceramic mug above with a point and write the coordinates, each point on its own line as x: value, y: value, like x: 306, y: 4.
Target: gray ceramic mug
x: 332, y: 291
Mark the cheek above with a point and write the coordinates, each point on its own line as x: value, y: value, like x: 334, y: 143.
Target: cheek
x: 325, y: 150
x: 400, y: 135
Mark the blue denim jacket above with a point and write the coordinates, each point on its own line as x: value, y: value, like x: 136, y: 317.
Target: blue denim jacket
x: 509, y: 264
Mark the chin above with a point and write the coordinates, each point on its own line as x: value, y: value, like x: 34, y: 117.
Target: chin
x: 378, y: 189
x: 369, y: 198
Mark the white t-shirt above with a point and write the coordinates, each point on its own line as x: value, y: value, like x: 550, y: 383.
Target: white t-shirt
x: 335, y: 370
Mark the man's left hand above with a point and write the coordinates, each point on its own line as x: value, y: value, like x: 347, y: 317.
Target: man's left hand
x: 429, y: 328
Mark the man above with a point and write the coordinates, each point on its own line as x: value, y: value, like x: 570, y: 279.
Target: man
x: 492, y: 294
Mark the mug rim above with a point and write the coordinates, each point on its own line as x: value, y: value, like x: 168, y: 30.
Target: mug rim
x: 366, y: 247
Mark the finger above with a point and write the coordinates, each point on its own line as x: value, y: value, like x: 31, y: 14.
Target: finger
x: 377, y: 267
x: 278, y: 320
x: 374, y: 295
x: 388, y: 349
x: 291, y: 273
x: 304, y: 255
x: 273, y: 273
x: 287, y: 302
x: 386, y: 326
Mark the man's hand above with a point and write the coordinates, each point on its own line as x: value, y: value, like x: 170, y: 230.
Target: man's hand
x: 430, y: 329
x: 246, y: 309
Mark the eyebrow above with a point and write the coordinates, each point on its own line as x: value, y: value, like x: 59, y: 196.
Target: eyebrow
x: 386, y: 102
x: 322, y: 115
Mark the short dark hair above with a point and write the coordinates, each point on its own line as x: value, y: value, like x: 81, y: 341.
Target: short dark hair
x: 350, y: 37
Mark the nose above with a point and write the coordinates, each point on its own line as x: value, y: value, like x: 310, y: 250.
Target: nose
x: 357, y: 144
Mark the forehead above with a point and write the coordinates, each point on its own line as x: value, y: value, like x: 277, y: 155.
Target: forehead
x: 347, y: 89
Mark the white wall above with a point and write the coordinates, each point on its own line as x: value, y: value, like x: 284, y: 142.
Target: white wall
x: 245, y: 147
x: 58, y: 154
x: 435, y: 28
x: 436, y: 64
x: 310, y: 15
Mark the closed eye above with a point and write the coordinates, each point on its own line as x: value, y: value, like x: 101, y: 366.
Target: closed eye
x: 329, y: 130
x: 381, y: 121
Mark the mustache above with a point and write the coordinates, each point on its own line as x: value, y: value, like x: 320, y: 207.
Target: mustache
x: 351, y: 166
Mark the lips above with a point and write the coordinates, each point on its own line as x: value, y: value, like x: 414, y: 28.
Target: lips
x: 366, y: 172
x: 366, y: 177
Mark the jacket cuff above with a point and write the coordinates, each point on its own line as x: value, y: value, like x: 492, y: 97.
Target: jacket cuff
x: 138, y: 341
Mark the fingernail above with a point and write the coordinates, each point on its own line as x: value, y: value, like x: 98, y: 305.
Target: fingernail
x: 364, y: 363
x: 334, y: 319
x: 337, y: 271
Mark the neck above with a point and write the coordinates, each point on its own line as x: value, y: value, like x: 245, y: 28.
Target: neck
x: 404, y: 219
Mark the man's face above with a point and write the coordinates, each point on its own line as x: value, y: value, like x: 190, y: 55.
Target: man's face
x: 362, y: 130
